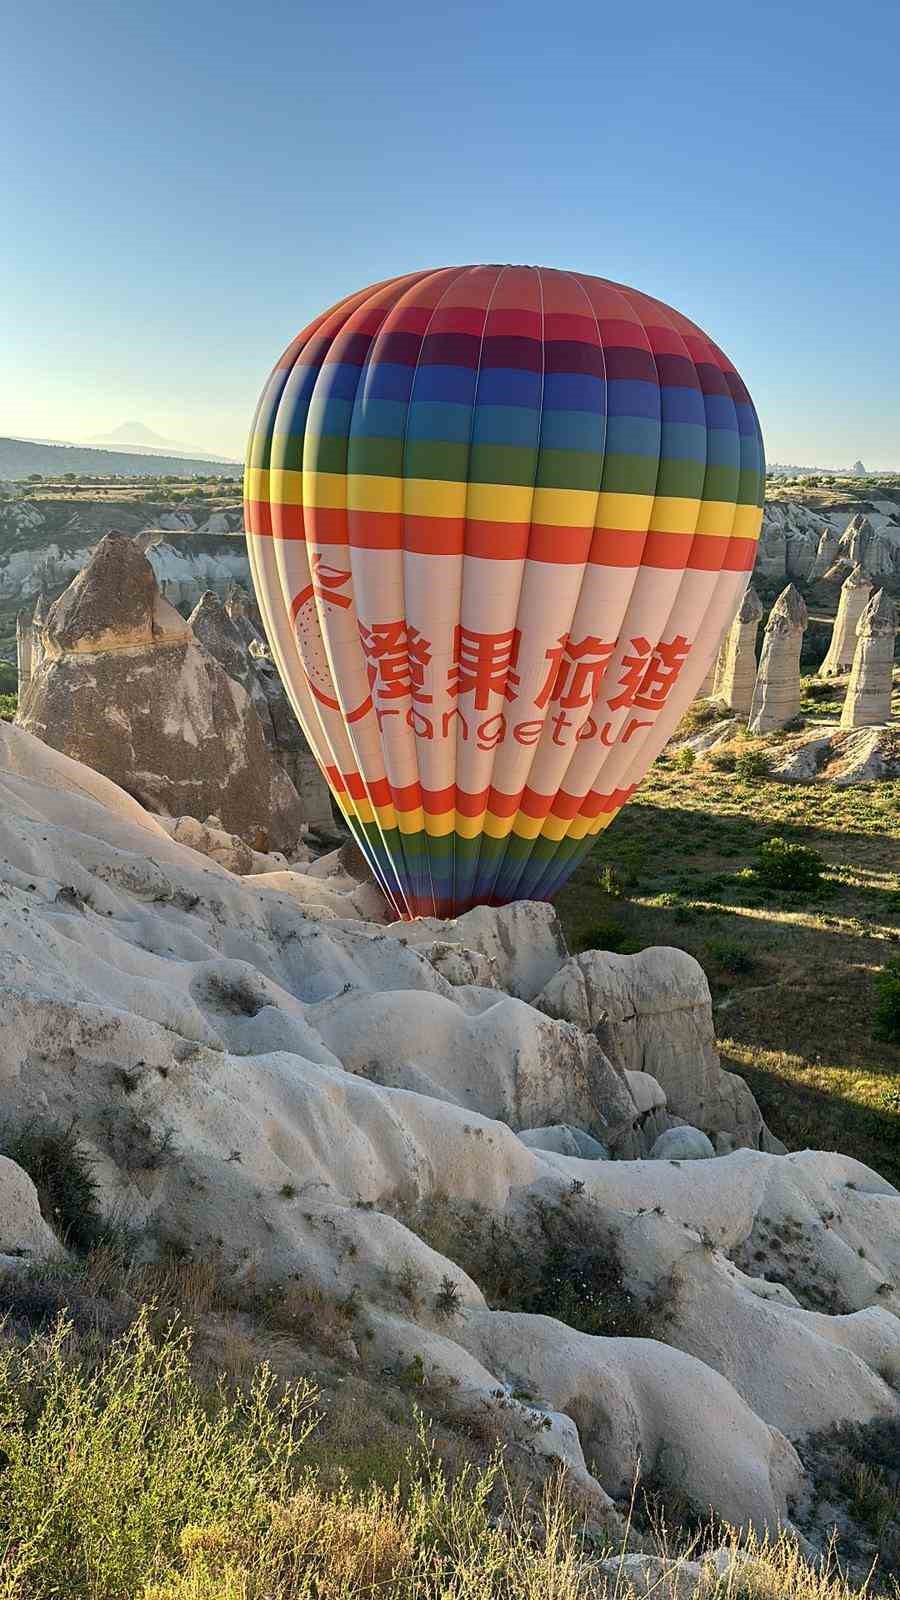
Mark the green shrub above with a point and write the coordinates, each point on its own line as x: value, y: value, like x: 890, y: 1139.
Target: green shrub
x: 685, y: 760
x: 607, y: 935
x: 103, y: 1470
x: 793, y: 867
x: 887, y: 1007
x: 63, y: 1174
x: 611, y: 881
x: 731, y: 956
x: 698, y: 716
x: 724, y: 760
x: 751, y: 764
x: 8, y: 707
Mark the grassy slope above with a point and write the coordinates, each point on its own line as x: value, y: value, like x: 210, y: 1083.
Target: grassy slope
x: 142, y: 1464
x: 793, y: 979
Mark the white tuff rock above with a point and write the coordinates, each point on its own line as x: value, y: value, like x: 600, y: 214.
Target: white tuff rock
x: 776, y: 697
x: 868, y: 699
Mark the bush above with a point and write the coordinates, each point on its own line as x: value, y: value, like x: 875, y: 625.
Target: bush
x: 607, y: 935
x: 63, y: 1174
x: 793, y: 867
x: 8, y: 706
x: 723, y: 760
x: 685, y: 760
x: 698, y: 716
x: 887, y: 1007
x: 103, y: 1471
x: 751, y: 764
x: 731, y: 956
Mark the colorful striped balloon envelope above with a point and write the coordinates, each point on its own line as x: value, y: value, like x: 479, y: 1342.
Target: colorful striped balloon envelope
x: 498, y: 519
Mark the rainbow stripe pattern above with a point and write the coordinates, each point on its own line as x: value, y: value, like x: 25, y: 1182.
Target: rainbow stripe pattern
x: 498, y: 518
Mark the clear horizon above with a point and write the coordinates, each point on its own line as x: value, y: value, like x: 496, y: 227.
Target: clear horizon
x: 199, y: 185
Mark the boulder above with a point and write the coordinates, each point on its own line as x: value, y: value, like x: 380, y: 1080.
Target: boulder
x: 643, y: 1576
x: 565, y: 1141
x: 524, y: 941
x: 652, y: 1013
x: 24, y: 1235
x: 682, y: 1144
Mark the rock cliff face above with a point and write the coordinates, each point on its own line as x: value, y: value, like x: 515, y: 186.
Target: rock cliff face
x: 123, y: 684
x: 45, y: 542
x: 224, y: 633
x: 256, y: 1070
x: 801, y: 543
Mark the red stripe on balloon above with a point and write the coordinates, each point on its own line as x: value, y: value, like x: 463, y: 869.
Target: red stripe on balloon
x: 503, y: 541
x: 616, y: 547
x: 740, y: 556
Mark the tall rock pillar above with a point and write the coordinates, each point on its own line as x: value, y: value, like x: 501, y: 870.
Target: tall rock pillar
x: 826, y: 555
x: 868, y: 699
x: 855, y: 592
x: 24, y: 627
x: 736, y: 675
x: 776, y: 697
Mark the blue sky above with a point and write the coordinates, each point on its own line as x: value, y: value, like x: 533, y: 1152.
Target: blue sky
x: 187, y: 184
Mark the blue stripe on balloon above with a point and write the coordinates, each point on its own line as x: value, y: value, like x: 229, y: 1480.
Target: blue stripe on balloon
x: 747, y: 423
x: 439, y: 422
x: 682, y: 405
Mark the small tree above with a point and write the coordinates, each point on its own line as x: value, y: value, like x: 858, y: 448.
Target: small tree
x: 781, y: 865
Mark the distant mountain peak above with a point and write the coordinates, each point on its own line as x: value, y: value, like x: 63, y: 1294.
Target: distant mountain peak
x: 135, y: 433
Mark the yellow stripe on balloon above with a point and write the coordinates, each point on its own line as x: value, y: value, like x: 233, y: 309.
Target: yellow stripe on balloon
x: 716, y: 519
x: 503, y: 502
x: 628, y: 511
x: 747, y: 522
x: 438, y: 826
x: 407, y: 821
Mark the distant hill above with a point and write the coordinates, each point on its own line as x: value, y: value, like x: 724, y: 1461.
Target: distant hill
x: 21, y: 457
x: 783, y: 469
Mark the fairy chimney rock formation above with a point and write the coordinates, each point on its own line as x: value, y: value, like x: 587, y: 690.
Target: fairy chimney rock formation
x: 24, y: 637
x: 232, y: 639
x: 37, y: 633
x: 826, y: 555
x: 856, y: 538
x: 210, y: 623
x: 776, y: 696
x: 855, y: 592
x: 868, y: 699
x: 123, y: 685
x: 737, y: 661
x: 709, y: 682
x: 244, y: 613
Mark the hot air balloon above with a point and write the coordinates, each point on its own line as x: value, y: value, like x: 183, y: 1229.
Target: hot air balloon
x: 498, y: 519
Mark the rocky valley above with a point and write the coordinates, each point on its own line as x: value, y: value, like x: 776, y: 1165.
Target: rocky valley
x: 491, y: 1171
